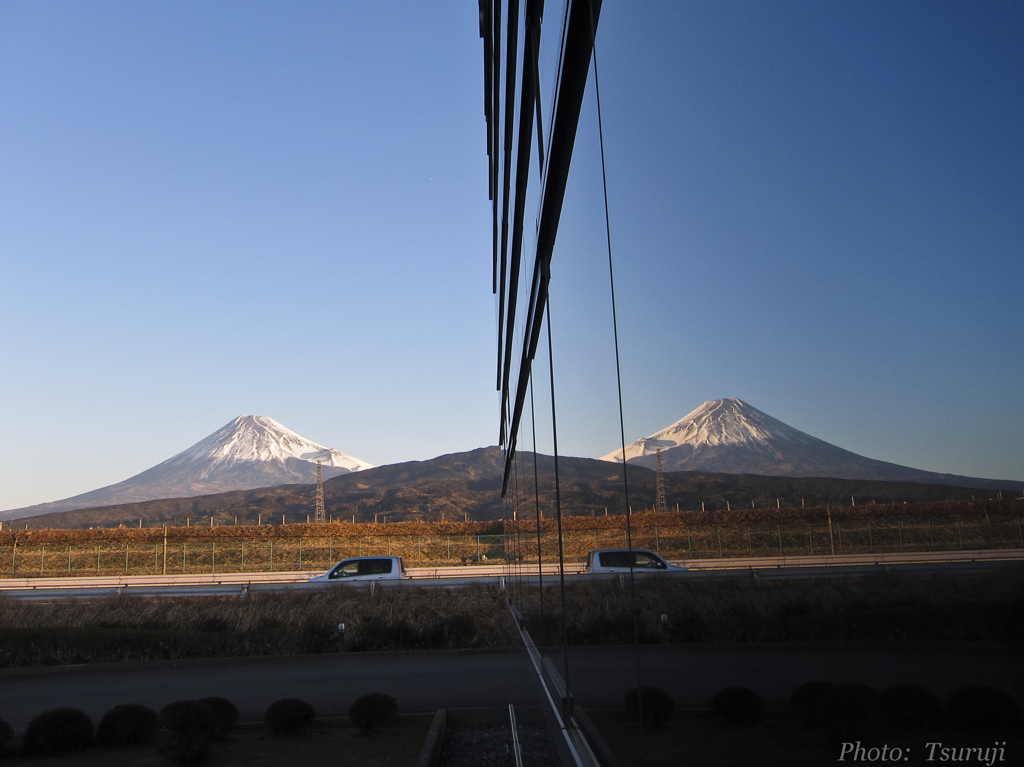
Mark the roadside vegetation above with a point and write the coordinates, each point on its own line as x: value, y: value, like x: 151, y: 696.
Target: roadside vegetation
x: 683, y: 535
x: 976, y: 608
x: 826, y: 723
x: 128, y: 628
x: 204, y: 731
x: 987, y: 607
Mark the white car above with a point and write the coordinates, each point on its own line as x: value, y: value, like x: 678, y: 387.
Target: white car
x: 618, y: 561
x: 364, y: 569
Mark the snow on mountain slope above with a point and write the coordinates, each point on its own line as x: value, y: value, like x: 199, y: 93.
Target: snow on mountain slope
x: 717, y: 422
x: 247, y: 453
x: 730, y: 436
x: 260, y: 438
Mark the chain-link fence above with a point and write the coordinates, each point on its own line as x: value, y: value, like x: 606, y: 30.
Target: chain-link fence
x: 241, y: 556
x: 677, y: 542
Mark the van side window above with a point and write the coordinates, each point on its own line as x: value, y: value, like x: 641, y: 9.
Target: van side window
x: 374, y: 566
x: 614, y: 558
x: 647, y: 561
x: 345, y: 570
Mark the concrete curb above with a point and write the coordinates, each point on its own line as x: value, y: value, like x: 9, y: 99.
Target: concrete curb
x: 430, y: 754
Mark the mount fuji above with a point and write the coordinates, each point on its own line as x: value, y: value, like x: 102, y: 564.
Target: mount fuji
x: 730, y: 436
x: 251, y: 451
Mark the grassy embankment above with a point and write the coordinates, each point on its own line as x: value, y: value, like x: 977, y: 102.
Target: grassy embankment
x: 986, y: 607
x: 132, y: 629
x: 939, y: 526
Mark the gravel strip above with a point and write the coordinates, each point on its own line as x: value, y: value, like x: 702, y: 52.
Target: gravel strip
x: 474, y: 746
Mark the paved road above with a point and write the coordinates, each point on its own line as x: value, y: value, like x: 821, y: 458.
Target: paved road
x: 235, y: 584
x: 424, y: 681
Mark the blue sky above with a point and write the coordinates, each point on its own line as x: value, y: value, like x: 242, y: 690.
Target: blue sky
x: 216, y: 208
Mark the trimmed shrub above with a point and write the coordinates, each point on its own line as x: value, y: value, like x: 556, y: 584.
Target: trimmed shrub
x: 984, y: 709
x: 288, y: 715
x: 738, y: 704
x: 851, y: 711
x: 127, y: 723
x: 6, y: 734
x: 910, y: 706
x: 227, y: 716
x: 190, y: 729
x: 373, y: 710
x: 58, y: 731
x: 806, y: 701
x: 657, y: 705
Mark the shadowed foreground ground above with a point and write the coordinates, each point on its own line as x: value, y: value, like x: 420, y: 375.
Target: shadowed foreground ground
x: 424, y: 681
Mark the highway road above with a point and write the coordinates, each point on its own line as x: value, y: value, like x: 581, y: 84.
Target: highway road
x: 229, y: 584
x: 424, y: 681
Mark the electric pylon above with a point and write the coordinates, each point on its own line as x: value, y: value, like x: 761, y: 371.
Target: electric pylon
x: 660, y: 502
x: 321, y: 511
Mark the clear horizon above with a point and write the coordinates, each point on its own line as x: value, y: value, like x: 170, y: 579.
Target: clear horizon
x: 281, y: 209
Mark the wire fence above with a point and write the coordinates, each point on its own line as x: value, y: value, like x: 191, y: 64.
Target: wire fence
x: 679, y: 542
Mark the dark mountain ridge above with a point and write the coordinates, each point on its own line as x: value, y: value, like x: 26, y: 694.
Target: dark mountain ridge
x: 467, y: 485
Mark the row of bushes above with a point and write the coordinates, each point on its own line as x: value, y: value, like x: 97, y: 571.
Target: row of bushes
x: 855, y: 710
x: 184, y: 730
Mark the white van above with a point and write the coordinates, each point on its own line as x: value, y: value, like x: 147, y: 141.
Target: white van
x: 364, y: 569
x: 618, y: 561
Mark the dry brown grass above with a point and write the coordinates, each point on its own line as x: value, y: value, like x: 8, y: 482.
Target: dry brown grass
x: 987, y: 607
x: 678, y: 535
x: 132, y: 628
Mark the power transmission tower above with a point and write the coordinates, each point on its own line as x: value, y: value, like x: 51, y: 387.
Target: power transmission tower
x: 321, y: 511
x: 660, y: 502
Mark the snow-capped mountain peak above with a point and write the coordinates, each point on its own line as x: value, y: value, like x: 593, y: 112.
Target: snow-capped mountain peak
x: 731, y: 437
x: 716, y: 422
x: 261, y: 438
x: 249, y: 452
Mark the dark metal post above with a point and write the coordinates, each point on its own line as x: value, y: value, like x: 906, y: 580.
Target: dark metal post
x: 341, y: 637
x: 664, y: 628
